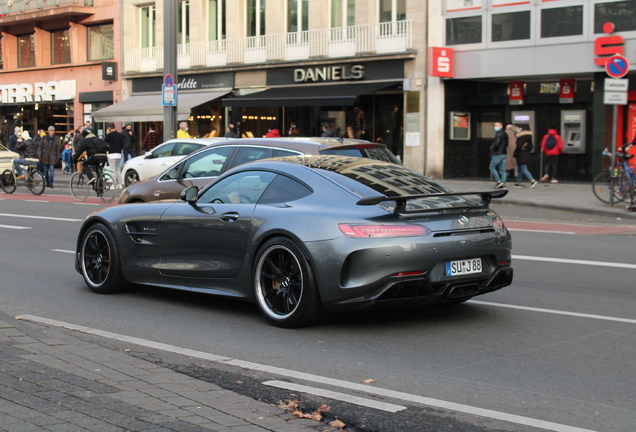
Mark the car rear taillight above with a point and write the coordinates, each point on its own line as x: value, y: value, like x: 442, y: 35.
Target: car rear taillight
x: 366, y: 231
x: 497, y: 222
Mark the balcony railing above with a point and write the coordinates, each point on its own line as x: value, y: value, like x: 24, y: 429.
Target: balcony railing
x: 21, y: 6
x: 383, y: 38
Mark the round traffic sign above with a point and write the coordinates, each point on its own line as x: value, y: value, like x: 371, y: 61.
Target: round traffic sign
x: 617, y: 66
x: 168, y: 81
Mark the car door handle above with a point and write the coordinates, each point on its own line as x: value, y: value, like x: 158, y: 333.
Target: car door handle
x: 229, y: 217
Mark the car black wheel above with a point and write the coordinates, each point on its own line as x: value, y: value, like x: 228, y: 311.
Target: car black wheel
x: 8, y: 181
x: 285, y: 286
x: 99, y: 261
x: 131, y: 178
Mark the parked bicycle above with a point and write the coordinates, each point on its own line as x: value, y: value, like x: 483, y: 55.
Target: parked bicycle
x: 615, y: 183
x: 33, y: 179
x: 104, y: 184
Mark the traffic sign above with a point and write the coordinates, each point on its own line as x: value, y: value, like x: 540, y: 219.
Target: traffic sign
x: 617, y: 66
x: 615, y: 98
x: 168, y: 80
x: 169, y: 95
x: 613, y: 84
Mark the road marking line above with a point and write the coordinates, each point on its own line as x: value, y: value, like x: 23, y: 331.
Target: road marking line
x: 540, y: 231
x: 62, y: 250
x: 37, y: 201
x: 85, y: 203
x: 555, y: 312
x: 41, y: 217
x: 14, y: 227
x: 513, y: 418
x: 572, y: 261
x: 336, y: 396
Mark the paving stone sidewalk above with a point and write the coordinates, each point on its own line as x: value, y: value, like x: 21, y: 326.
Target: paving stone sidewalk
x: 55, y: 382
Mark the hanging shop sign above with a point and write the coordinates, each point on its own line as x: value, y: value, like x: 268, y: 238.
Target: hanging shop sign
x: 337, y: 73
x: 39, y: 92
x: 566, y: 90
x: 607, y: 46
x: 516, y: 95
x: 440, y: 62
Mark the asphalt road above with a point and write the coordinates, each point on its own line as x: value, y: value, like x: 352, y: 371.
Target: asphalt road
x: 554, y: 351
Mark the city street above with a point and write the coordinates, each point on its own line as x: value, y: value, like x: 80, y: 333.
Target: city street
x: 554, y: 351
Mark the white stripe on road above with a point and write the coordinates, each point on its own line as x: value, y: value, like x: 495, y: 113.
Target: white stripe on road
x: 336, y: 396
x: 541, y: 231
x: 62, y: 250
x: 41, y: 217
x: 572, y: 261
x: 555, y: 312
x: 14, y: 227
x: 513, y: 418
x: 36, y: 201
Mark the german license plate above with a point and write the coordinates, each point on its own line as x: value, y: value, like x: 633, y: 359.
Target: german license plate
x: 5, y: 160
x: 462, y: 267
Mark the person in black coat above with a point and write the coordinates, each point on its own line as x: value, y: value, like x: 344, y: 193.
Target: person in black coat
x: 522, y: 154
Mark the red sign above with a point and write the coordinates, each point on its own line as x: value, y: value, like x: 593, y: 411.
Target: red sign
x: 516, y: 93
x: 617, y: 66
x: 607, y: 46
x: 566, y: 90
x: 440, y: 62
x: 168, y: 81
x: 631, y: 122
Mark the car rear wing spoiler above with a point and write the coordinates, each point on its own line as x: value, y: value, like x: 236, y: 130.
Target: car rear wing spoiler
x: 401, y: 201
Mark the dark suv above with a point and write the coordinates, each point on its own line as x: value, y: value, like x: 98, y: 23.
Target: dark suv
x: 203, y: 166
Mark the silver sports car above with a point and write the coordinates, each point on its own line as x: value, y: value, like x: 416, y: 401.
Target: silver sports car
x: 303, y: 236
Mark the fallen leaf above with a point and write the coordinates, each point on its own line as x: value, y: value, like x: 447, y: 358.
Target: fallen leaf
x: 314, y: 416
x: 239, y: 382
x: 337, y: 424
x: 323, y: 408
x: 127, y: 350
x: 368, y: 381
x: 292, y: 405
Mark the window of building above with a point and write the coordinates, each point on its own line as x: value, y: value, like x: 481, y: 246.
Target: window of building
x: 216, y: 19
x: 465, y: 30
x: 565, y: 21
x: 511, y: 26
x: 255, y: 17
x: 297, y: 15
x: 148, y: 26
x: 60, y: 47
x: 343, y: 13
x: 392, y: 10
x: 622, y: 14
x: 26, y: 51
x: 101, y: 42
x: 183, y: 22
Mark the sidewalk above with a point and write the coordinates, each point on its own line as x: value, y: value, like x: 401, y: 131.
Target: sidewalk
x: 51, y: 381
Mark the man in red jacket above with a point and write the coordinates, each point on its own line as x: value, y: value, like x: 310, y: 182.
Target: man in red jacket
x: 552, y: 147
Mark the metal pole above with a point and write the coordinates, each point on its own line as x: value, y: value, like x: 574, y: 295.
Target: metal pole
x: 612, y: 183
x: 170, y: 63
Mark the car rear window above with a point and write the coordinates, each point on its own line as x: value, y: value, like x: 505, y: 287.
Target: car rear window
x: 376, y: 153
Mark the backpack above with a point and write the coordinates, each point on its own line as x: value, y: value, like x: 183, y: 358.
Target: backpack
x: 550, y: 142
x: 101, y: 146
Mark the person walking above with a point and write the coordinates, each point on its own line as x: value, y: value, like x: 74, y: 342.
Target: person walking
x: 272, y: 131
x: 151, y: 140
x: 552, y: 147
x: 49, y: 152
x: 115, y: 142
x: 183, y: 130
x: 522, y: 156
x: 130, y: 142
x: 230, y: 132
x: 511, y: 162
x: 498, y: 155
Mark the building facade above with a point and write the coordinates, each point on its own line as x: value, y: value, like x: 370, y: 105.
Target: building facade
x: 537, y: 64
x: 59, y: 62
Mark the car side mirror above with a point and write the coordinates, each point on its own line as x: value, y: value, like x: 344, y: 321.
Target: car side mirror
x: 190, y: 195
x: 148, y: 155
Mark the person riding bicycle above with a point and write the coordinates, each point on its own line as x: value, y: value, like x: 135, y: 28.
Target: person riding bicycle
x: 27, y: 148
x: 95, y: 153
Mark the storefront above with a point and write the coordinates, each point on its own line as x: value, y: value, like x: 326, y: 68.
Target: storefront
x: 366, y: 97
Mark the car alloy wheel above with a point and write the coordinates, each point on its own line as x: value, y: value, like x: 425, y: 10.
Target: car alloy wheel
x: 99, y: 261
x: 131, y: 178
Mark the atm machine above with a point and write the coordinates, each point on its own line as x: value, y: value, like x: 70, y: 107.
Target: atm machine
x: 525, y: 119
x: 573, y: 131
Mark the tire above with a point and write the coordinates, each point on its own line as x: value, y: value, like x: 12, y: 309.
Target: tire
x: 131, y: 178
x: 284, y: 285
x: 38, y: 184
x: 601, y: 187
x: 8, y: 181
x: 99, y: 261
x: 79, y: 186
x: 621, y: 187
x: 107, y: 188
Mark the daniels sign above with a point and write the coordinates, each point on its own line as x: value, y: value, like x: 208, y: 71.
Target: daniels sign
x: 329, y: 73
x: 38, y: 92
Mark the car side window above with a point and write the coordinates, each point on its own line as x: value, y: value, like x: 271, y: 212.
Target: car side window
x: 241, y: 188
x: 206, y: 164
x: 284, y: 189
x: 182, y: 149
x: 283, y: 153
x: 163, y: 151
x: 249, y: 154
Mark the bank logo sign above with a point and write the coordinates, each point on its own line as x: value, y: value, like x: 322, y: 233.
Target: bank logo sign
x: 39, y: 92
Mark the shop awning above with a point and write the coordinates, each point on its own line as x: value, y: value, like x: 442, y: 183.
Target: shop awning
x: 306, y: 95
x: 144, y: 108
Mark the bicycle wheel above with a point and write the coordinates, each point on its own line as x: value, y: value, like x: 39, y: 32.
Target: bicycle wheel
x: 79, y: 186
x: 36, y: 183
x: 601, y: 186
x: 621, y: 187
x: 106, y: 188
x: 8, y: 181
